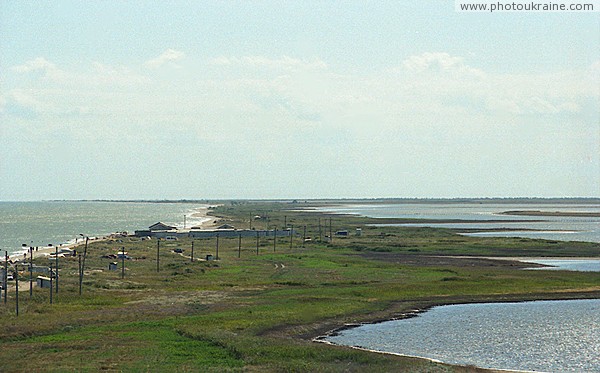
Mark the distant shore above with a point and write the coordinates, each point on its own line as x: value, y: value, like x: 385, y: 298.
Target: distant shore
x: 552, y: 213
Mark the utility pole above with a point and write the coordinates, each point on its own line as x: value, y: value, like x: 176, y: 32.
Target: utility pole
x: 240, y: 246
x: 158, y: 255
x: 304, y: 236
x: 285, y: 220
x: 56, y: 255
x: 51, y: 287
x: 30, y: 272
x: 5, y: 279
x: 82, y: 264
x: 80, y: 274
x: 192, y: 251
x: 320, y: 231
x: 330, y: 232
x: 17, y: 290
x: 84, y: 255
x: 217, y: 253
x: 275, y: 239
x: 122, y: 262
x: 291, y: 236
x: 257, y: 242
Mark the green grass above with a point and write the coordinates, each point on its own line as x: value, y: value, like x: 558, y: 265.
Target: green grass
x: 259, y: 312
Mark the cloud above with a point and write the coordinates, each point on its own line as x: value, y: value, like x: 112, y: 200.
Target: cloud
x: 40, y: 64
x: 438, y: 62
x: 170, y: 56
x: 426, y: 61
x: 293, y: 92
x: 284, y: 62
x: 108, y: 75
x: 441, y: 78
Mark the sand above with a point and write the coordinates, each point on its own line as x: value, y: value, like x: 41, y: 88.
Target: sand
x: 199, y: 213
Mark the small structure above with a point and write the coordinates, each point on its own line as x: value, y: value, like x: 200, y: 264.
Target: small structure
x: 113, y: 266
x: 342, y: 233
x: 157, y: 230
x: 209, y: 257
x: 160, y: 227
x: 40, y: 269
x: 359, y: 232
x: 44, y: 282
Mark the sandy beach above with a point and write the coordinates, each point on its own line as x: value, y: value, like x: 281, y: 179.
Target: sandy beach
x: 208, y: 221
x: 200, y: 213
x: 51, y: 250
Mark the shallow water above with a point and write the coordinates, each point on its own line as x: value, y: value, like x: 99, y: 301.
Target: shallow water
x: 581, y: 265
x: 544, y: 336
x: 562, y: 228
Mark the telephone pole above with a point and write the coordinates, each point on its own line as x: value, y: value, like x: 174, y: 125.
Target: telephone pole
x: 17, y: 290
x: 30, y: 272
x: 122, y: 262
x: 192, y: 260
x: 5, y: 279
x: 158, y: 255
x: 56, y: 255
x: 304, y: 236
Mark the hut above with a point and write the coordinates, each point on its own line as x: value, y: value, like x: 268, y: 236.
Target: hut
x: 44, y: 282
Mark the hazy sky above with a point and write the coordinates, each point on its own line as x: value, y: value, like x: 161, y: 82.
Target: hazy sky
x: 280, y: 99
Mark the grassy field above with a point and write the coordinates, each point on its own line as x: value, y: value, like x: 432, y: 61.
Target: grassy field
x: 260, y: 312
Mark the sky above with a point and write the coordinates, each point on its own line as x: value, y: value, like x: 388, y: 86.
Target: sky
x: 295, y: 99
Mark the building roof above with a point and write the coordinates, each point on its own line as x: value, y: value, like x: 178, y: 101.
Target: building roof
x: 160, y: 227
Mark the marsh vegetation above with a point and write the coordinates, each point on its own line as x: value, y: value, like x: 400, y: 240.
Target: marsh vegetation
x: 260, y: 312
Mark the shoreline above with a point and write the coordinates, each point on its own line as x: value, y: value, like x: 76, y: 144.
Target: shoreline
x: 45, y: 251
x: 572, y: 214
x: 321, y: 337
x: 200, y: 213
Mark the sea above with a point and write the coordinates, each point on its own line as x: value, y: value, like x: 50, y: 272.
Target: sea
x: 40, y: 224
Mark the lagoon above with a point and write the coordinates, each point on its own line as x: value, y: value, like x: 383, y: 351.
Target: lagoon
x: 481, y: 217
x: 581, y: 265
x: 541, y: 336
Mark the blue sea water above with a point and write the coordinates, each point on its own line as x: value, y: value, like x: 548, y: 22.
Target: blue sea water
x: 43, y: 223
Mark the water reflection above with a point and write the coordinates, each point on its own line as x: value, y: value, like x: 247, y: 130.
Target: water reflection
x: 548, y: 336
x: 582, y: 265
